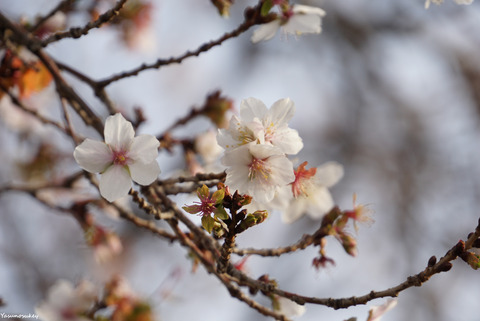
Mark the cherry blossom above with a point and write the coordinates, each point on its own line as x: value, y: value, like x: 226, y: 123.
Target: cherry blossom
x: 257, y: 170
x: 121, y: 158
x: 263, y: 126
x: 299, y: 19
x: 310, y: 191
x: 377, y: 312
x: 66, y: 302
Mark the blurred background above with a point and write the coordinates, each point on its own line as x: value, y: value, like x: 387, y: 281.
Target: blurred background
x: 388, y: 89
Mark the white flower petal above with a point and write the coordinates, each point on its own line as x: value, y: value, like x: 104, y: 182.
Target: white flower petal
x: 281, y: 112
x: 299, y: 24
x: 118, y: 132
x: 93, y: 156
x: 294, y: 211
x: 377, y: 312
x: 262, y: 151
x: 144, y: 174
x: 329, y: 174
x: 144, y: 148
x: 115, y: 183
x: 252, y: 108
x: 238, y: 156
x: 302, y: 9
x: 288, y: 140
x: 281, y: 170
x: 266, y: 31
x: 320, y: 202
x: 290, y: 308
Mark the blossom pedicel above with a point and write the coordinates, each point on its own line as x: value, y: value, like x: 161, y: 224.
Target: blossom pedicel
x: 120, y: 159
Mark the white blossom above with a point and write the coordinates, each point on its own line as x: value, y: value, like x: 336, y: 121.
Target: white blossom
x: 121, y: 158
x: 67, y: 303
x: 207, y: 147
x: 263, y: 126
x: 377, y: 312
x: 289, y: 308
x: 310, y: 191
x: 301, y: 19
x: 257, y: 170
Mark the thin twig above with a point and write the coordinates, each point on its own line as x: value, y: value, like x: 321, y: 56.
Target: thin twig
x: 60, y: 6
x: 32, y: 112
x: 99, y: 91
x: 163, y: 62
x: 302, y: 244
x: 63, y: 89
x: 196, y: 178
x: 77, y: 32
x: 443, y: 265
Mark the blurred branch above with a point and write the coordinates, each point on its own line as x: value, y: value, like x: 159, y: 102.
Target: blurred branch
x: 61, y: 6
x: 63, y: 89
x: 32, y: 112
x: 78, y: 32
x: 99, y: 92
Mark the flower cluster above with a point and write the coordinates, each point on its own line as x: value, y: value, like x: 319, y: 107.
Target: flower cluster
x: 66, y: 302
x: 121, y: 158
x: 256, y: 147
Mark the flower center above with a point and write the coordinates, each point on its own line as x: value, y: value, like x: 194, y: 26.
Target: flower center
x: 258, y: 168
x: 207, y: 207
x: 120, y: 158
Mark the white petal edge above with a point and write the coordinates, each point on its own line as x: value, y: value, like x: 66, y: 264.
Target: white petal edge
x: 328, y: 174
x: 144, y: 174
x: 266, y: 31
x: 281, y: 112
x: 93, y: 156
x: 319, y: 203
x: 303, y: 9
x: 299, y: 24
x: 295, y: 210
x: 115, y: 183
x: 118, y: 132
x: 251, y: 108
x: 144, y: 148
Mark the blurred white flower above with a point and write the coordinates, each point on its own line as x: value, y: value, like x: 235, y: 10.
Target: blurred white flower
x: 263, y: 126
x: 300, y: 19
x: 207, y: 147
x: 464, y: 2
x: 257, y: 170
x: 66, y: 303
x: 120, y: 159
x: 377, y: 312
x: 289, y: 308
x: 310, y: 191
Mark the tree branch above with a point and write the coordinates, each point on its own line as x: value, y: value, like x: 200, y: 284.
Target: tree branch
x: 78, y: 32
